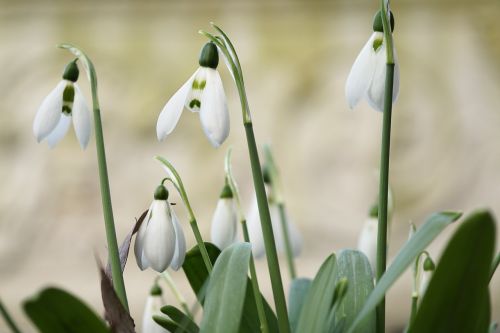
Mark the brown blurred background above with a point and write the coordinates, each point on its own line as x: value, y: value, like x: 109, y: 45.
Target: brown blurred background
x: 295, y: 56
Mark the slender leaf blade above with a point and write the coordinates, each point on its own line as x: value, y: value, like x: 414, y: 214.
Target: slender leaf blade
x: 318, y: 302
x: 420, y: 240
x: 180, y: 318
x: 226, y: 290
x: 456, y: 299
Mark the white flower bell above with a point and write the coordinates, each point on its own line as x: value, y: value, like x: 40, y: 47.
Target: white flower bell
x: 367, y: 76
x: 154, y: 302
x: 63, y: 104
x: 367, y: 242
x: 202, y: 93
x: 160, y: 241
x: 225, y: 220
x: 257, y: 238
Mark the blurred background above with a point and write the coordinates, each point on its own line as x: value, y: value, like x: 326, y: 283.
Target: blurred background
x: 295, y: 56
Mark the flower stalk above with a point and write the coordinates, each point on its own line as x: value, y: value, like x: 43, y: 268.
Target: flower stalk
x: 384, y: 163
x: 253, y: 273
x: 8, y: 319
x: 227, y: 48
x: 177, y: 181
x: 173, y: 287
x: 114, y: 258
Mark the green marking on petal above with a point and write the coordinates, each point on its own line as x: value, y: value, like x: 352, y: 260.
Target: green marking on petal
x: 377, y: 43
x: 199, y: 85
x: 203, y: 84
x: 195, y: 103
x: 66, y: 109
x: 68, y: 97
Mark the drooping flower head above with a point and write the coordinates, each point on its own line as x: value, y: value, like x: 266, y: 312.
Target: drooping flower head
x: 224, y: 220
x: 154, y: 302
x: 160, y: 241
x: 202, y: 93
x: 64, y: 104
x: 366, y: 79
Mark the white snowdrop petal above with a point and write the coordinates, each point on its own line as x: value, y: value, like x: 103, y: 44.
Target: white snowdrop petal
x: 180, y: 244
x: 367, y: 242
x: 255, y: 231
x: 193, y: 99
x: 81, y: 118
x: 214, y: 115
x: 375, y: 93
x: 59, y: 131
x: 49, y: 112
x: 159, y: 241
x: 361, y: 73
x: 224, y: 223
x: 172, y: 111
x: 293, y: 232
x: 140, y: 257
x: 153, y: 306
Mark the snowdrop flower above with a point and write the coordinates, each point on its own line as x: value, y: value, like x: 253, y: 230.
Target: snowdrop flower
x: 202, y: 93
x: 367, y: 242
x: 160, y: 241
x: 255, y: 230
x: 428, y: 269
x: 64, y: 104
x: 224, y: 221
x: 367, y: 76
x: 153, y: 304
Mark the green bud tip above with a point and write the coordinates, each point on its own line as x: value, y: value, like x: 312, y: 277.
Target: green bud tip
x: 226, y: 192
x: 340, y: 289
x: 429, y: 265
x: 209, y: 57
x: 71, y: 71
x: 161, y: 193
x: 155, y: 290
x: 377, y: 22
x: 373, y: 211
x: 266, y: 174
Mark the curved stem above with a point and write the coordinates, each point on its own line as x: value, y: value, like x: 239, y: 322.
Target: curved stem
x: 177, y: 181
x: 383, y: 190
x: 114, y: 257
x: 288, y: 243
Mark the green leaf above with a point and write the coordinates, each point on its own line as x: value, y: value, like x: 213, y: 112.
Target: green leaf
x: 180, y: 318
x: 226, y: 290
x: 296, y: 298
x: 318, y: 302
x: 354, y: 266
x: 456, y: 298
x: 170, y: 325
x: 57, y: 311
x: 197, y: 274
x: 420, y: 240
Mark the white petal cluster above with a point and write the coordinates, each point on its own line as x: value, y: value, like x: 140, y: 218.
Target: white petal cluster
x: 153, y: 305
x: 367, y: 77
x: 54, y: 116
x: 160, y: 241
x: 202, y: 93
x: 224, y: 223
x: 367, y: 242
x: 256, y: 236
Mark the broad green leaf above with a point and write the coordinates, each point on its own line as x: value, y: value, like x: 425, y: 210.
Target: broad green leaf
x: 354, y: 266
x: 420, y: 240
x: 197, y: 274
x: 57, y: 311
x: 180, y: 318
x: 296, y: 298
x: 456, y: 298
x: 318, y: 302
x: 226, y: 290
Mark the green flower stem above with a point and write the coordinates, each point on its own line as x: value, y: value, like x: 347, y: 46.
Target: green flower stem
x: 288, y: 243
x: 384, y: 190
x: 179, y: 185
x: 267, y: 230
x: 114, y: 257
x: 414, y: 303
x: 276, y: 187
x: 264, y: 328
x: 8, y: 319
x: 182, y: 301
